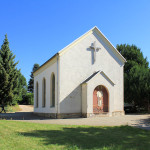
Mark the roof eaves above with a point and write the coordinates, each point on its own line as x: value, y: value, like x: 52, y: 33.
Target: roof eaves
x: 102, y: 72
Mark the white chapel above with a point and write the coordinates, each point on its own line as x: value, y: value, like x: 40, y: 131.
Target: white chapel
x: 84, y: 79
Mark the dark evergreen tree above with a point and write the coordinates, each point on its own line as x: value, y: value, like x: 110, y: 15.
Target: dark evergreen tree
x: 136, y: 75
x: 8, y: 74
x: 31, y: 81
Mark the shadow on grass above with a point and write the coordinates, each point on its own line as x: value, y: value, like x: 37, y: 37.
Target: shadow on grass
x: 123, y: 137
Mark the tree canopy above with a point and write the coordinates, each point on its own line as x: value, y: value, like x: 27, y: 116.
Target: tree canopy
x: 21, y: 89
x: 136, y: 75
x: 8, y: 74
x: 12, y: 82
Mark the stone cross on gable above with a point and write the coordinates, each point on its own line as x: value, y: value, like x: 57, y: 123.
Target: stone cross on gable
x: 93, y: 47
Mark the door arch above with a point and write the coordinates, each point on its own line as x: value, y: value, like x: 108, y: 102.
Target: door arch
x: 100, y: 99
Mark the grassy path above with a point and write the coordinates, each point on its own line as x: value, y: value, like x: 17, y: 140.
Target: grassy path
x: 22, y: 135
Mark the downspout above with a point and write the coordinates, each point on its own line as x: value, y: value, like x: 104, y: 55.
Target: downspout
x: 57, y: 85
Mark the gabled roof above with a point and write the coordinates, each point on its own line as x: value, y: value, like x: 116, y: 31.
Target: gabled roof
x: 102, y: 73
x: 94, y: 29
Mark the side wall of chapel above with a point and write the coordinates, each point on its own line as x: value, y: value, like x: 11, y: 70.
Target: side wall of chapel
x: 46, y: 73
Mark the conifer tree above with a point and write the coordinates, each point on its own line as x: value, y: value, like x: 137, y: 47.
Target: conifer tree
x: 8, y: 74
x: 31, y: 81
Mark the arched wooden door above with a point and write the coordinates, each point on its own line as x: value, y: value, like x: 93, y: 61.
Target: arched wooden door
x: 100, y: 100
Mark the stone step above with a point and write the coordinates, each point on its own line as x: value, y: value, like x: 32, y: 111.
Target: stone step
x: 100, y: 115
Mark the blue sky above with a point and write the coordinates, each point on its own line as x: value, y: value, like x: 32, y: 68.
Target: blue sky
x: 37, y: 29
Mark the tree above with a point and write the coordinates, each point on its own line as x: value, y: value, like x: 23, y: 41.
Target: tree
x: 31, y: 81
x: 136, y: 75
x: 8, y: 74
x: 21, y: 89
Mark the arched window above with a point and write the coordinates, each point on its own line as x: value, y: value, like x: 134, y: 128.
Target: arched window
x: 52, y: 100
x: 37, y: 94
x: 44, y: 93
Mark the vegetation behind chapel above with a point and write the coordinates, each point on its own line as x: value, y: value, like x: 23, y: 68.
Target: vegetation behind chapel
x: 136, y: 77
x: 14, y: 89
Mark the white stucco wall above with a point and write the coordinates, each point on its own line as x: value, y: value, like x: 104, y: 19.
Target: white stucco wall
x: 76, y: 65
x: 46, y: 73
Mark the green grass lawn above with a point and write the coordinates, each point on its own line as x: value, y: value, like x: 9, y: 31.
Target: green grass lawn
x: 23, y: 135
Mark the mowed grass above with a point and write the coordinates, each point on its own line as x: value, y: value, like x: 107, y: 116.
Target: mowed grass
x: 26, y: 136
